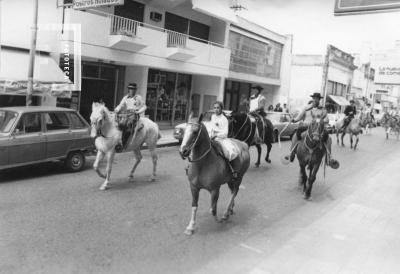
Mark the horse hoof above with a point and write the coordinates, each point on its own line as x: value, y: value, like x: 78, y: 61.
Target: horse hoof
x: 225, y: 217
x: 308, y: 198
x: 152, y: 179
x: 268, y: 161
x: 131, y: 179
x: 103, y: 188
x: 189, y: 232
x: 257, y: 165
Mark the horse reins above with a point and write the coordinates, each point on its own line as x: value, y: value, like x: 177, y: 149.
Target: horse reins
x: 194, y: 143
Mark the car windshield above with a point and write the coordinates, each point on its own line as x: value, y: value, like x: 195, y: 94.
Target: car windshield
x: 274, y: 117
x: 7, y: 119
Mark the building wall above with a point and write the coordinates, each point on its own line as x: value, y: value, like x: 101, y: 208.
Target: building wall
x: 208, y: 87
x: 340, y: 74
x: 305, y: 80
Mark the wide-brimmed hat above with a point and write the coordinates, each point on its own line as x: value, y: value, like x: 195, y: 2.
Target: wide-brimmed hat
x: 132, y: 85
x: 258, y: 87
x: 316, y: 95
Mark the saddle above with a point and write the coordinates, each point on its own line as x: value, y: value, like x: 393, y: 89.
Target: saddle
x: 258, y: 120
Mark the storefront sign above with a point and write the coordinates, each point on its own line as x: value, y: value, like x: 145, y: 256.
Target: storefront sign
x: 85, y: 4
x: 388, y: 74
x: 343, y: 7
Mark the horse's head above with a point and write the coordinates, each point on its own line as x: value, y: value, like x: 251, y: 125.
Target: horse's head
x: 99, y: 113
x: 190, y: 139
x: 316, y: 130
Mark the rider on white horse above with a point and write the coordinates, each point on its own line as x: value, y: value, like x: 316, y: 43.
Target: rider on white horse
x: 131, y: 104
x: 312, y: 112
x: 219, y: 133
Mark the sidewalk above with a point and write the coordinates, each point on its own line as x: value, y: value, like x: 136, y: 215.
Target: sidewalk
x: 167, y: 138
x: 358, y: 234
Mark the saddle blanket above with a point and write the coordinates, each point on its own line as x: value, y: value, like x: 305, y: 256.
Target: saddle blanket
x: 230, y: 149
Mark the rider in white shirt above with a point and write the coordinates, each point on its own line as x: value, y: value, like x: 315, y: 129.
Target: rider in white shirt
x: 219, y: 133
x: 135, y: 107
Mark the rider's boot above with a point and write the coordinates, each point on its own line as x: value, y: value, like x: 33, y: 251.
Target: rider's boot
x: 329, y: 160
x: 293, y: 148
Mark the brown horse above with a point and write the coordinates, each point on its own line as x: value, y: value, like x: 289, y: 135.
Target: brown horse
x: 354, y: 128
x: 207, y: 169
x: 310, y: 152
x: 242, y: 127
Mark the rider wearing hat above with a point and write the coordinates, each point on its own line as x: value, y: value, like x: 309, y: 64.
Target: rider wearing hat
x: 134, y: 106
x: 312, y: 111
x: 257, y: 100
x: 349, y: 111
x: 257, y: 105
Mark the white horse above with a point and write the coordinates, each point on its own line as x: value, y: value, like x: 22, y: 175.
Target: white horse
x: 105, y: 128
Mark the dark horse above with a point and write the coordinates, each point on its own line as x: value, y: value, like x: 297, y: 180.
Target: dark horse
x: 208, y: 170
x: 242, y: 128
x: 310, y: 152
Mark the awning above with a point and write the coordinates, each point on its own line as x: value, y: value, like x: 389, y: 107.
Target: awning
x: 216, y: 8
x: 340, y: 100
x: 48, y: 77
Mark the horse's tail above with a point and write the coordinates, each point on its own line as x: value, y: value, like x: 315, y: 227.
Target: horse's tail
x: 269, y: 131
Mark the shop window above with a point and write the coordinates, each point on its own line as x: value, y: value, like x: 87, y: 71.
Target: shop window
x: 107, y: 73
x: 252, y: 56
x: 91, y: 71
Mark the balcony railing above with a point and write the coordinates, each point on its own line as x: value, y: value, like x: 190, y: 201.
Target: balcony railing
x: 128, y: 27
x: 123, y: 26
x: 176, y: 39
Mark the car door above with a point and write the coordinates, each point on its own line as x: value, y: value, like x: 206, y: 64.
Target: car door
x: 27, y: 141
x: 58, y: 134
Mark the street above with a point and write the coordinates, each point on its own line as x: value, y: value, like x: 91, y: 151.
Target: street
x: 58, y: 222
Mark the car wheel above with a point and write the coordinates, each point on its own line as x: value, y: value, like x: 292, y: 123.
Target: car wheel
x: 75, y: 161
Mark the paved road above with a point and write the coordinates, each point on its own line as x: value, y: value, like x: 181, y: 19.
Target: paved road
x: 57, y: 222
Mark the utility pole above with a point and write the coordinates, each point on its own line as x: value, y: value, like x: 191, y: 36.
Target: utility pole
x: 32, y: 52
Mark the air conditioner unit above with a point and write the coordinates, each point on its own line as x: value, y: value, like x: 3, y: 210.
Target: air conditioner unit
x: 155, y: 16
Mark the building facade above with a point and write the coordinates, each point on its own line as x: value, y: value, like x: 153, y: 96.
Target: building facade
x: 330, y: 74
x: 183, y: 55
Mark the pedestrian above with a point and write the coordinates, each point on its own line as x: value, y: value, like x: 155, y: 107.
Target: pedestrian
x: 271, y: 108
x: 278, y: 108
x: 285, y: 109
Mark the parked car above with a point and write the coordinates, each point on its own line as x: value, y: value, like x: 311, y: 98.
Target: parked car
x: 30, y: 135
x: 281, y: 121
x: 179, y: 130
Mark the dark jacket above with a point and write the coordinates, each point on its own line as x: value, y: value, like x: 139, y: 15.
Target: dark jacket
x: 350, y: 111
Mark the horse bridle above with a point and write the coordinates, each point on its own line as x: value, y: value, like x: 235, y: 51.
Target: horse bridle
x: 191, y: 146
x: 251, y: 128
x: 310, y: 148
x: 98, y: 131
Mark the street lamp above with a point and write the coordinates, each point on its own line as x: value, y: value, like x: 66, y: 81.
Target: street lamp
x: 32, y: 52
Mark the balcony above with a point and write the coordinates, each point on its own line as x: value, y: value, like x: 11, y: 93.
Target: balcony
x: 177, y: 46
x: 123, y: 40
x: 123, y: 34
